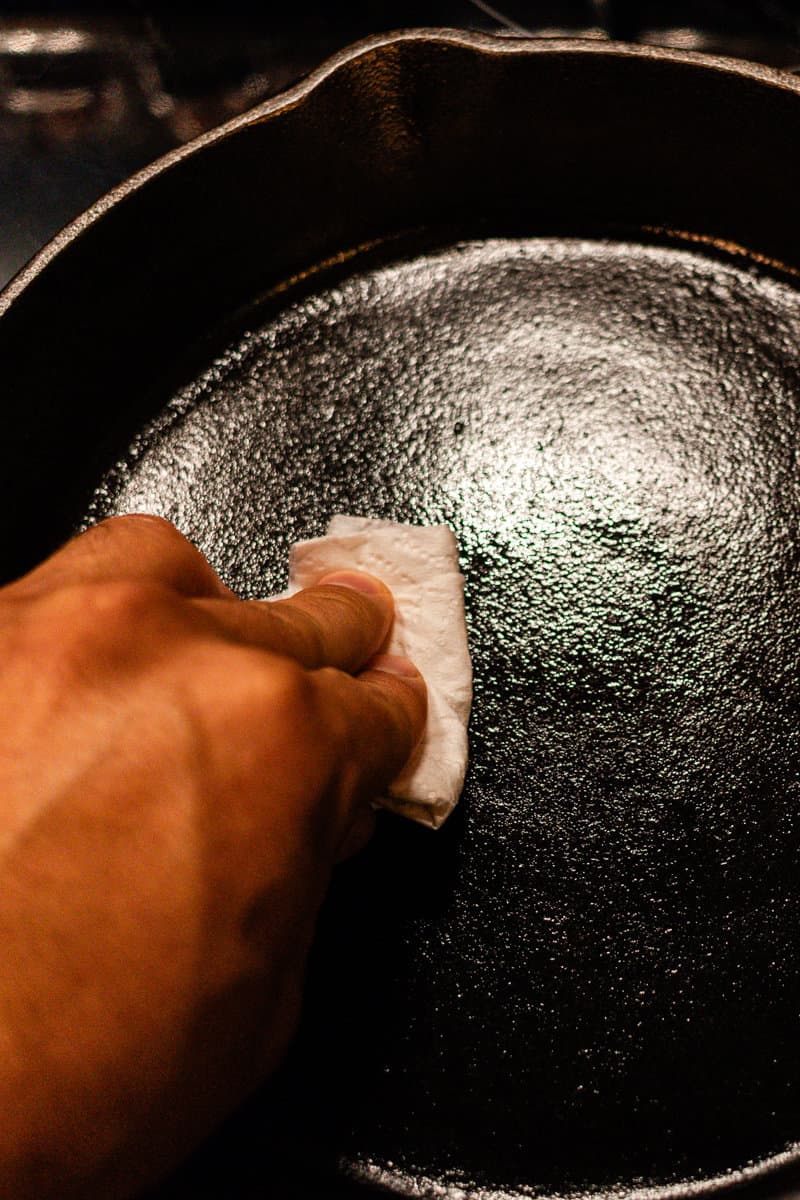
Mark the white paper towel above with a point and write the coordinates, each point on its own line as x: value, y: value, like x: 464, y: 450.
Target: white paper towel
x: 419, y: 565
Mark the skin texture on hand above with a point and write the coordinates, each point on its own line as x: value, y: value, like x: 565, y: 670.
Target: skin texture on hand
x: 180, y: 771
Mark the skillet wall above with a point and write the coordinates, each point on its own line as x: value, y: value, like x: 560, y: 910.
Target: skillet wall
x: 436, y: 129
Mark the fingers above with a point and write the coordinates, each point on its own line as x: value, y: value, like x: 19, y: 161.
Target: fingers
x: 341, y: 622
x: 139, y: 547
x: 379, y: 717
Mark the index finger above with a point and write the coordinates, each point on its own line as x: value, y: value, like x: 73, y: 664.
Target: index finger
x: 342, y: 621
x: 379, y: 717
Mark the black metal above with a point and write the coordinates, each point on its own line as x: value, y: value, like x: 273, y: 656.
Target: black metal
x: 90, y: 93
x: 590, y: 980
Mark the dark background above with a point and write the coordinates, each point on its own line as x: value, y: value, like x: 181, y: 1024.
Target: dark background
x: 88, y: 94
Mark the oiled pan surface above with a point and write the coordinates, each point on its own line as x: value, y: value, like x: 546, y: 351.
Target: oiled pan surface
x: 591, y: 976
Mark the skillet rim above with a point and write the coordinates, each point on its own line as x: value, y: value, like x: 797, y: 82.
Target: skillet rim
x: 488, y: 44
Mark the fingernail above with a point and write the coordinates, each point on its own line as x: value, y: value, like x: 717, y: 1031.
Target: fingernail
x: 393, y: 664
x: 356, y: 580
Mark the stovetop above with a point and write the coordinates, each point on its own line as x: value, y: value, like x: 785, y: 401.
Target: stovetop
x: 89, y: 95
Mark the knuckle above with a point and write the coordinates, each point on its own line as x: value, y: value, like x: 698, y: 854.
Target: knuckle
x: 86, y: 620
x: 136, y: 523
x: 286, y: 689
x: 255, y: 687
x: 108, y: 605
x: 157, y: 534
x: 258, y: 709
x: 159, y: 543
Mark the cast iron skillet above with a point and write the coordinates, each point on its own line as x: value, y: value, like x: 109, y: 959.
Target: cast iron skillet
x: 545, y: 292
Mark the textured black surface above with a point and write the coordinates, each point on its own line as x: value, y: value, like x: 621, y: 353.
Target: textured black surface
x: 591, y: 977
x: 403, y: 132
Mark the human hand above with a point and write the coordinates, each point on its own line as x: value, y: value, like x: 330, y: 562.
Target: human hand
x: 179, y: 772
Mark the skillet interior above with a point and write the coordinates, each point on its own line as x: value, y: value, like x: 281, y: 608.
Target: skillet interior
x: 590, y: 979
